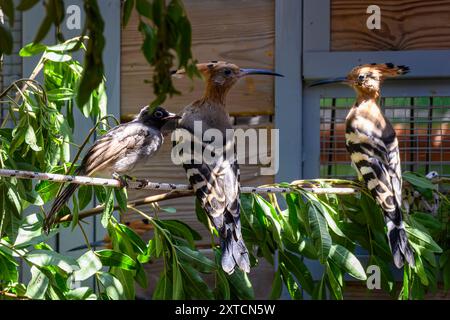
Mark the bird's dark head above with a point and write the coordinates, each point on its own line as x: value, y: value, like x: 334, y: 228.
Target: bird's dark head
x: 157, y: 118
x: 368, y: 78
x: 222, y: 75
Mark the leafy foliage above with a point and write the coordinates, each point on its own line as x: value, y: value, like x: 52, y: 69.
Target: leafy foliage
x: 164, y: 25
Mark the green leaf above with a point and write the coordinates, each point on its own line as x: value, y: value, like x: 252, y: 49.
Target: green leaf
x: 193, y: 283
x: 122, y: 198
x: 135, y: 240
x: 84, y: 196
x: 45, y: 258
x: 109, y: 207
x: 25, y: 5
x: 43, y: 29
x: 32, y: 49
x: 181, y: 229
x: 57, y: 57
x: 417, y: 180
x: 320, y: 235
x: 268, y: 210
x: 113, y: 287
x: 347, y: 261
x: 297, y: 267
x: 8, y: 269
x: 38, y: 284
x: 291, y: 285
x: 30, y: 139
x: 7, y: 7
x: 277, y: 286
x: 177, y: 281
x: 6, y: 45
x: 127, y: 9
x: 141, y: 276
x: 241, y: 285
x: 334, y: 284
x: 417, y: 236
x: 89, y: 264
x: 196, y: 259
x: 144, y: 8
x: 163, y: 290
x: 116, y: 259
x: 82, y: 293
x: 60, y: 94
x: 30, y: 231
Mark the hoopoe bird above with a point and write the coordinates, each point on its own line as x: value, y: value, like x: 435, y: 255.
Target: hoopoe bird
x: 118, y: 153
x: 373, y: 146
x: 216, y: 182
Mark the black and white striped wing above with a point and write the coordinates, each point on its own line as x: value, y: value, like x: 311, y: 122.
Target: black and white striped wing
x: 379, y: 166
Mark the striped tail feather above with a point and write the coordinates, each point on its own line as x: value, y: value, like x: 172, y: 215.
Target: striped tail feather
x: 398, y: 241
x: 234, y: 251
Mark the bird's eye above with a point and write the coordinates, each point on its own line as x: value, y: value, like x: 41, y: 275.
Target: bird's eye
x: 158, y: 114
x: 227, y: 72
x: 145, y: 221
x: 361, y: 77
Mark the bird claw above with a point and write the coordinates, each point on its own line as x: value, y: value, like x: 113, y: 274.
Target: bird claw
x: 122, y: 179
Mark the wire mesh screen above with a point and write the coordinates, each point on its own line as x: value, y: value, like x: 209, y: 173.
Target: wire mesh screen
x: 422, y: 125
x: 11, y: 65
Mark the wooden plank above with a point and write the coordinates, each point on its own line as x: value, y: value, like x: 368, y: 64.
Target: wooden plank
x: 246, y: 39
x: 405, y: 25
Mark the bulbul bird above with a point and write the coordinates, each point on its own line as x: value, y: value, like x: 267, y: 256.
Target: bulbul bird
x: 118, y: 152
x: 216, y: 182
x: 373, y: 146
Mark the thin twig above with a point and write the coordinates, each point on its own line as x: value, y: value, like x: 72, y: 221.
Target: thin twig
x: 12, y: 295
x: 147, y: 200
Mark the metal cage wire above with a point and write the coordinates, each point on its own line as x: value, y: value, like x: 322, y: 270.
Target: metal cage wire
x: 422, y: 125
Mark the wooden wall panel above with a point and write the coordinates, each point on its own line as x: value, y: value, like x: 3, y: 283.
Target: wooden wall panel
x: 238, y: 31
x: 405, y: 25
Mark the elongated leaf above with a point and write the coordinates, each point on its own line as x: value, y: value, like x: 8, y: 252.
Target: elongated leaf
x: 163, y: 290
x: 196, y: 259
x: 241, y: 285
x: 417, y: 180
x: 25, y: 5
x: 277, y: 286
x: 296, y: 266
x: 347, y: 261
x: 82, y: 293
x: 112, y: 286
x: 127, y: 9
x: 8, y: 269
x: 84, y: 196
x: 38, y: 284
x: 320, y: 234
x: 177, y: 281
x: 32, y: 49
x: 89, y: 264
x: 45, y: 258
x: 116, y: 259
x: 109, y: 207
x: 194, y: 285
x: 421, y: 238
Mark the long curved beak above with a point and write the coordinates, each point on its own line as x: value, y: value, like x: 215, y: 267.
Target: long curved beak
x: 328, y: 81
x: 246, y: 72
x: 172, y: 116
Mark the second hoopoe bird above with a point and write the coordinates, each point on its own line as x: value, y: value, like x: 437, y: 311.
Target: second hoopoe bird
x: 373, y: 146
x: 216, y: 182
